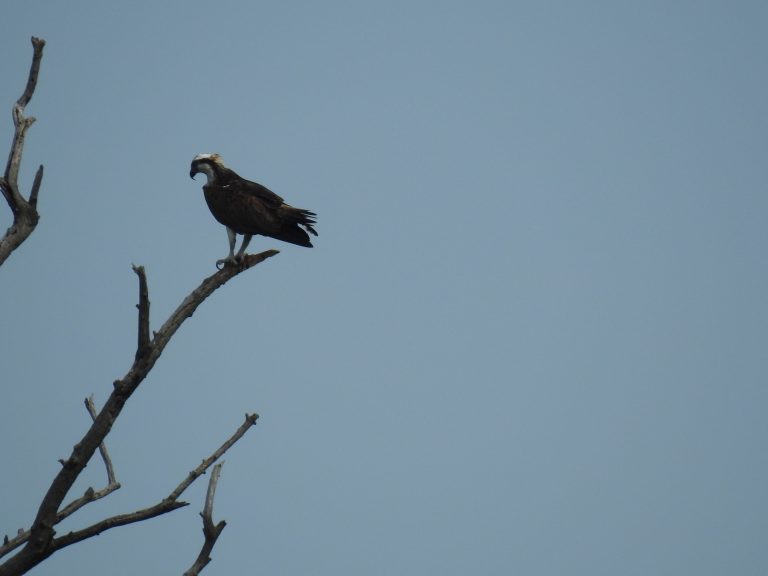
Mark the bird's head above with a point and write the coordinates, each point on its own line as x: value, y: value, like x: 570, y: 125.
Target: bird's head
x: 208, y: 164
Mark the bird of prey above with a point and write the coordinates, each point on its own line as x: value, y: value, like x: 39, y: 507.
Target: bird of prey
x: 248, y: 208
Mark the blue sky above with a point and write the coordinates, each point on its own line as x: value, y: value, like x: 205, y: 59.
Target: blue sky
x: 531, y: 337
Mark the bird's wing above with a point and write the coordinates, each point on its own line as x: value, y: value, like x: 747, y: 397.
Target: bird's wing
x: 262, y: 193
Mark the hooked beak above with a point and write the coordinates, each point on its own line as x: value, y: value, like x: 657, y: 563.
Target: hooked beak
x: 192, y: 172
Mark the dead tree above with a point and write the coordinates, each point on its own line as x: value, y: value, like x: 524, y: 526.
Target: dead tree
x: 29, y: 547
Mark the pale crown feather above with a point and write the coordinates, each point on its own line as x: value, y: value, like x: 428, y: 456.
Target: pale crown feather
x: 212, y: 157
x: 205, y: 167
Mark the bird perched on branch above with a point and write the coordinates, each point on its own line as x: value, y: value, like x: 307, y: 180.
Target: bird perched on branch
x: 248, y: 208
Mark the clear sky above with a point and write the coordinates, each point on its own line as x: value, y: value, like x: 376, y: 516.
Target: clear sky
x: 531, y: 338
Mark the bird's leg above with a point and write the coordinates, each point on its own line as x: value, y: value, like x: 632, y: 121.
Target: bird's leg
x: 243, y: 246
x: 231, y: 258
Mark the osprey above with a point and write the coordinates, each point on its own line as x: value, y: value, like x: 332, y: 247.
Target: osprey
x: 248, y: 208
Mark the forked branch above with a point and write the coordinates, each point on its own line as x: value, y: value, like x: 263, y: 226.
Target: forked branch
x: 167, y: 504
x: 41, y: 544
x: 25, y: 216
x: 211, y: 531
x: 90, y: 495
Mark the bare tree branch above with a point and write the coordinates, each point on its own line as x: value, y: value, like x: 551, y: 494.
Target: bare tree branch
x: 250, y: 420
x: 41, y: 542
x: 113, y: 522
x: 211, y: 531
x: 143, y: 306
x: 36, y: 187
x: 25, y: 216
x: 111, y: 479
x: 167, y: 504
x: 29, y: 90
x: 91, y: 495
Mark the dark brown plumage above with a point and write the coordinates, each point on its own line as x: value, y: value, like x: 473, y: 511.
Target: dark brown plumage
x: 248, y: 208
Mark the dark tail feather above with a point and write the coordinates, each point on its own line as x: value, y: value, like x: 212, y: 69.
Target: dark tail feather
x: 294, y: 234
x: 292, y: 228
x: 307, y: 219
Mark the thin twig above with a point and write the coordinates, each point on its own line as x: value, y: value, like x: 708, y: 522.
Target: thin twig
x: 211, y: 531
x: 90, y: 494
x: 250, y: 420
x: 91, y: 407
x: 113, y: 522
x: 29, y: 90
x: 207, y: 513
